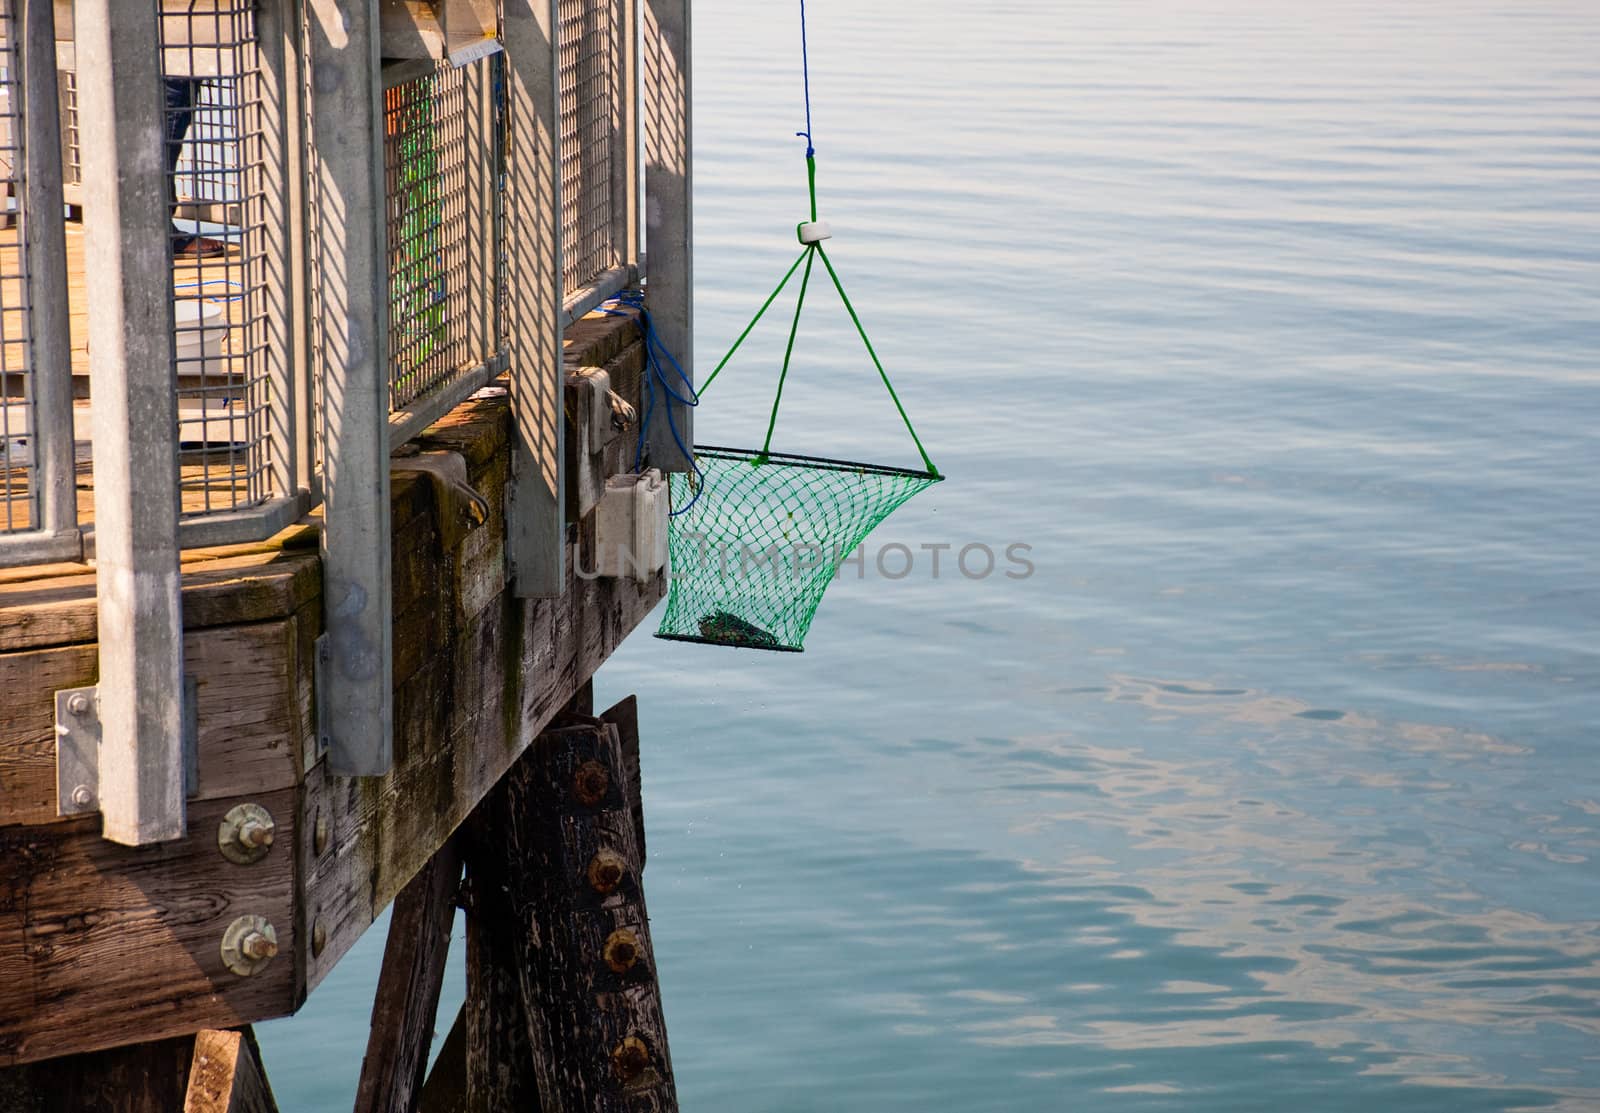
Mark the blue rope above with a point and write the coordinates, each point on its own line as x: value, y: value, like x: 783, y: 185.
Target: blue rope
x: 655, y: 373
x: 805, y: 74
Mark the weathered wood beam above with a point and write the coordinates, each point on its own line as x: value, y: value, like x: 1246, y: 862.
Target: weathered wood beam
x: 253, y: 704
x: 499, y: 1053
x: 407, y: 1001
x: 464, y: 716
x: 624, y: 717
x: 141, y: 1078
x: 103, y: 945
x: 445, y: 1091
x: 226, y: 1075
x: 560, y: 833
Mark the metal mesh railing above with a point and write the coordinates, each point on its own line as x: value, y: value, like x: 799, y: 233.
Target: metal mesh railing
x: 442, y: 145
x: 425, y: 170
x: 18, y: 504
x: 216, y: 162
x: 589, y: 84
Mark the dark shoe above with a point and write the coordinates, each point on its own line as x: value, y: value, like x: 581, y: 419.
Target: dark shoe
x: 199, y: 247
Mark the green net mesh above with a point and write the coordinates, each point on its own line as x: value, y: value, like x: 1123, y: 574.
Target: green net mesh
x: 755, y: 551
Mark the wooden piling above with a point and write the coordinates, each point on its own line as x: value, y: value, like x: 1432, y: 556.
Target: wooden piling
x: 563, y: 1008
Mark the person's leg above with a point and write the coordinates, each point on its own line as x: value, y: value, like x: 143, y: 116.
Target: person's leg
x: 182, y: 96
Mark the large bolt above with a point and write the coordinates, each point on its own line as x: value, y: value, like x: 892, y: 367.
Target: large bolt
x: 319, y: 839
x: 590, y: 783
x: 83, y: 796
x: 246, y: 833
x: 256, y: 835
x: 630, y: 1058
x: 255, y: 946
x: 78, y: 703
x: 319, y: 938
x: 621, y: 950
x: 606, y: 871
x: 248, y: 945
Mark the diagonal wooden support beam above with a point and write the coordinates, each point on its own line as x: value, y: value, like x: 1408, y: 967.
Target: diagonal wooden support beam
x: 407, y: 1001
x: 226, y: 1075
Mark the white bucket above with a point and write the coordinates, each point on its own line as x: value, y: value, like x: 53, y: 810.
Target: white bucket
x: 201, y: 327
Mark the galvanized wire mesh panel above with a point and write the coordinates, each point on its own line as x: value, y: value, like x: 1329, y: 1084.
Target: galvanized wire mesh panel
x: 425, y: 154
x: 590, y: 100
x: 215, y: 159
x: 18, y: 501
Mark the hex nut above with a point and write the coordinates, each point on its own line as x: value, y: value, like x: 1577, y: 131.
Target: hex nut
x: 246, y: 833
x: 249, y: 945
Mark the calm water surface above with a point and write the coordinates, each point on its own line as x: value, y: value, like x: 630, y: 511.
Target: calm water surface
x: 1274, y: 330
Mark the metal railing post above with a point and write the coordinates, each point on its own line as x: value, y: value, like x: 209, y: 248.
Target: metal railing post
x: 128, y: 275
x: 347, y: 219
x: 535, y: 526
x: 50, y: 343
x: 278, y: 82
x: 625, y: 137
x: 669, y: 209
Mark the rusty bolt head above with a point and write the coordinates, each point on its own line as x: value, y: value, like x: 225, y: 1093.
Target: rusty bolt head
x: 245, y: 834
x: 248, y: 945
x: 590, y: 783
x: 630, y: 1058
x: 606, y: 871
x: 319, y: 840
x: 257, y: 946
x: 83, y: 796
x: 621, y: 950
x: 256, y: 835
x: 319, y: 938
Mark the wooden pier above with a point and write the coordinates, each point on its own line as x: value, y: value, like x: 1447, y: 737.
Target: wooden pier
x: 499, y: 766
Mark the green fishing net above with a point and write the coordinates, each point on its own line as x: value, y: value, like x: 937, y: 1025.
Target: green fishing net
x: 757, y: 536
x: 763, y: 537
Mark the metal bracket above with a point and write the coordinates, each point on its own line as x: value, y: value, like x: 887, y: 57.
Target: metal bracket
x: 78, y: 747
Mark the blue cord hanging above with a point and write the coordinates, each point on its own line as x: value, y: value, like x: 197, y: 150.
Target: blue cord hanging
x: 805, y: 77
x: 655, y: 373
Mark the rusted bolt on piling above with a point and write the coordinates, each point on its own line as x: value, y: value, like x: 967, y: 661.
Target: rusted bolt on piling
x: 606, y: 871
x: 630, y: 1059
x: 319, y: 838
x: 257, y: 946
x: 590, y: 783
x: 621, y: 950
x: 319, y: 938
x: 249, y: 944
x: 246, y: 833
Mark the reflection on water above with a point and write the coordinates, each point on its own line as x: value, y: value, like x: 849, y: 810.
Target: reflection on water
x: 1375, y: 928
